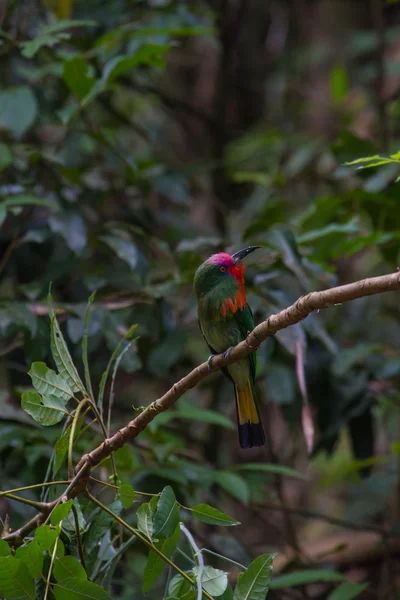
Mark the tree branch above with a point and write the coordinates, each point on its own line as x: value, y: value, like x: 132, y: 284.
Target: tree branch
x: 295, y: 313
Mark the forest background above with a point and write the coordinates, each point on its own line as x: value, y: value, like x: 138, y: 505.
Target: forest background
x: 136, y: 139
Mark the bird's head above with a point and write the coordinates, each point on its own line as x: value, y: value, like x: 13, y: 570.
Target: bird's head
x: 223, y: 272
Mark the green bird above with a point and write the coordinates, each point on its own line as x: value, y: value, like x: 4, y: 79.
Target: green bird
x: 225, y: 319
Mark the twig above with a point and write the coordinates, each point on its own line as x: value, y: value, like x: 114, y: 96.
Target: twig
x: 199, y: 557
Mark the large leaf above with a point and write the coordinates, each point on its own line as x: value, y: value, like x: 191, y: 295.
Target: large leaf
x: 347, y: 591
x: 148, y: 54
x: 45, y: 536
x: 46, y: 410
x: 31, y: 554
x: 167, y: 515
x: 304, y: 577
x: 127, y: 495
x: 48, y: 383
x: 60, y: 450
x: 60, y: 512
x: 145, y: 517
x: 233, y: 484
x: 18, y: 109
x: 61, y: 355
x: 214, y: 581
x: 50, y: 35
x: 254, y: 583
x: 68, y: 566
x: 75, y: 588
x: 77, y: 76
x: 212, y: 516
x: 181, y: 589
x: 124, y: 248
x: 16, y: 583
x: 266, y: 468
x: 155, y: 564
x: 4, y: 548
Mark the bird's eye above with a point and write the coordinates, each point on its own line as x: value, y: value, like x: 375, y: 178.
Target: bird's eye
x: 222, y: 269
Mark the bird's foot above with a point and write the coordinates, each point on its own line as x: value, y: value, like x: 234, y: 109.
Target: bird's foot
x: 209, y: 362
x: 227, y: 353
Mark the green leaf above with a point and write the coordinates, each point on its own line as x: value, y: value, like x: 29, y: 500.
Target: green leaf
x: 28, y: 200
x: 125, y: 249
x: 85, y: 358
x: 47, y: 410
x: 50, y: 35
x: 68, y: 566
x: 75, y: 588
x: 167, y: 515
x: 145, y: 517
x: 5, y: 156
x: 204, y: 415
x: 338, y: 83
x: 60, y: 512
x: 148, y: 54
x: 100, y: 524
x: 266, y: 468
x: 214, y: 581
x: 18, y: 109
x: 60, y: 450
x: 232, y: 483
x: 181, y: 589
x: 31, y: 554
x: 45, y: 536
x: 155, y: 564
x: 61, y: 355
x: 126, y: 495
x: 16, y: 583
x: 4, y: 548
x: 212, y: 516
x: 365, y: 159
x: 305, y: 577
x: 253, y: 584
x: 347, y: 591
x: 48, y: 383
x: 77, y: 77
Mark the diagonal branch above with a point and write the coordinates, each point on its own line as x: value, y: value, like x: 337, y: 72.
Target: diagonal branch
x: 295, y: 313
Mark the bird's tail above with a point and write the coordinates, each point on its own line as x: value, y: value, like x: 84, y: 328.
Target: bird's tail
x: 251, y: 432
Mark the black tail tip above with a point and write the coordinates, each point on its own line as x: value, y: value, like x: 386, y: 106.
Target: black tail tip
x: 251, y: 434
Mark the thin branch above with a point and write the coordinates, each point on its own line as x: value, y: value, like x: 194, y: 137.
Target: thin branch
x: 295, y: 313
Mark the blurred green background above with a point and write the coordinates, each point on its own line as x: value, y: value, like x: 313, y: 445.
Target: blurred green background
x: 136, y: 139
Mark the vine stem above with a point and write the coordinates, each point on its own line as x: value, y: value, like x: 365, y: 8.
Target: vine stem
x: 143, y: 539
x: 199, y: 557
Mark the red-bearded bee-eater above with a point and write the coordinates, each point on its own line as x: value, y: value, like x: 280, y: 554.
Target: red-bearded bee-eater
x: 225, y: 319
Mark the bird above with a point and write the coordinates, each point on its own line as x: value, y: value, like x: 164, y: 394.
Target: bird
x: 225, y: 319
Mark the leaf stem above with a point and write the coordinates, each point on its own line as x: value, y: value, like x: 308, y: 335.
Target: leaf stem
x: 198, y: 556
x: 31, y: 487
x: 143, y: 539
x: 230, y: 560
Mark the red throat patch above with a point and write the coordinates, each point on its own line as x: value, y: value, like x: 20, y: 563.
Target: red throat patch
x: 239, y: 301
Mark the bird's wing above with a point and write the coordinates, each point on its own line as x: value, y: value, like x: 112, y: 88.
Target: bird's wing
x: 245, y: 321
x: 202, y: 332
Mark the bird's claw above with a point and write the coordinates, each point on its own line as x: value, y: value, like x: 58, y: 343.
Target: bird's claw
x: 227, y: 353
x: 209, y: 362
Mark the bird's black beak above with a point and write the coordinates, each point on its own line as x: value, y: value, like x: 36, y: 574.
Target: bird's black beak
x: 239, y: 256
